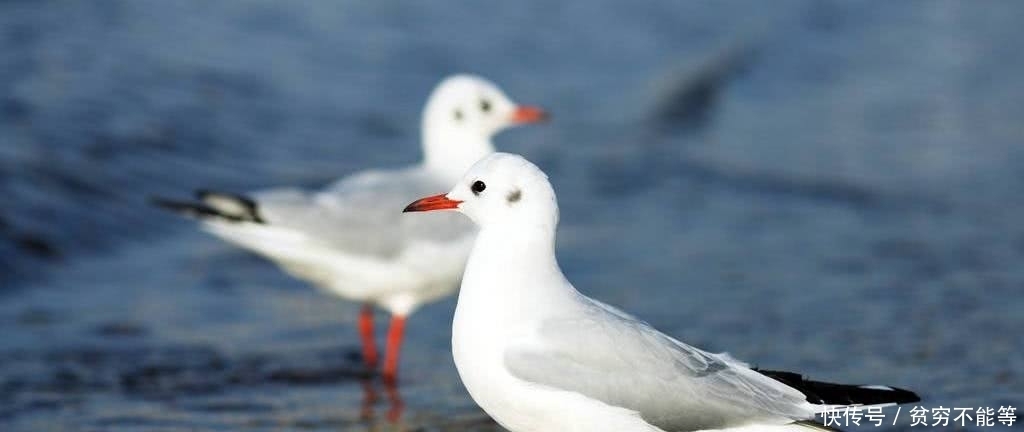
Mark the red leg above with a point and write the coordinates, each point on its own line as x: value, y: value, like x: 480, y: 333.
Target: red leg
x: 366, y: 332
x: 394, y: 345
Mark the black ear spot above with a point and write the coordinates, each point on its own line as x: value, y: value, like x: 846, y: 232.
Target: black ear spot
x: 514, y: 196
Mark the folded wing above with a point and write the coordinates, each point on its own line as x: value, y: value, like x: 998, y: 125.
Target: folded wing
x: 607, y: 355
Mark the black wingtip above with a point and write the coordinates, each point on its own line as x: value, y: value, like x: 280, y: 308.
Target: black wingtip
x: 818, y: 392
x: 184, y: 207
x: 236, y: 206
x: 815, y: 426
x: 894, y: 394
x: 195, y: 210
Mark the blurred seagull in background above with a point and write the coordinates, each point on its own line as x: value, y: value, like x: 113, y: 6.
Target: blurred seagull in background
x: 348, y: 238
x: 537, y: 355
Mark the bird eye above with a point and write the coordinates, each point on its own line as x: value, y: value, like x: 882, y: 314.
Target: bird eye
x: 458, y: 115
x: 485, y: 105
x: 478, y: 186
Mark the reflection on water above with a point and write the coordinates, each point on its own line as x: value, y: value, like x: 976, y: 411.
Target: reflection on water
x: 371, y: 400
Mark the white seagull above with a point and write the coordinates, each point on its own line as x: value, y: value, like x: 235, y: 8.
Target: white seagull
x: 537, y: 355
x: 348, y: 240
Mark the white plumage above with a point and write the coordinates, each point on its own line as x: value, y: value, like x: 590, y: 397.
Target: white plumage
x: 538, y: 355
x: 350, y: 238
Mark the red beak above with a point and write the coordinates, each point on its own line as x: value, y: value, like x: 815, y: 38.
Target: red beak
x: 528, y: 114
x: 434, y: 202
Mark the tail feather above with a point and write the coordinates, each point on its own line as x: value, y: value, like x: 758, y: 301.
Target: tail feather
x: 800, y: 426
x: 818, y: 392
x: 218, y: 205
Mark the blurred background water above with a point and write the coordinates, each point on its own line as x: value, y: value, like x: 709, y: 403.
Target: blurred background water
x: 819, y: 186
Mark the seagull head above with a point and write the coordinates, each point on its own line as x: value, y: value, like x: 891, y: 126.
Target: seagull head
x: 461, y: 116
x: 501, y: 189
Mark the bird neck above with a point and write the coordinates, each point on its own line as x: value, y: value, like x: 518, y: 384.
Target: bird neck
x: 450, y: 152
x: 513, y: 274
x: 521, y: 244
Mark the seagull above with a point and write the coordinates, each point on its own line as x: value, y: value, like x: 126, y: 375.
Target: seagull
x: 346, y: 239
x: 537, y: 355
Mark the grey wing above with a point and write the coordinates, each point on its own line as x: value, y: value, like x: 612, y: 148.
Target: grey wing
x: 607, y: 355
x: 362, y: 214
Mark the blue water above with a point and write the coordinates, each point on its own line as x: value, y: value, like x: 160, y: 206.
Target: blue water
x: 819, y: 186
